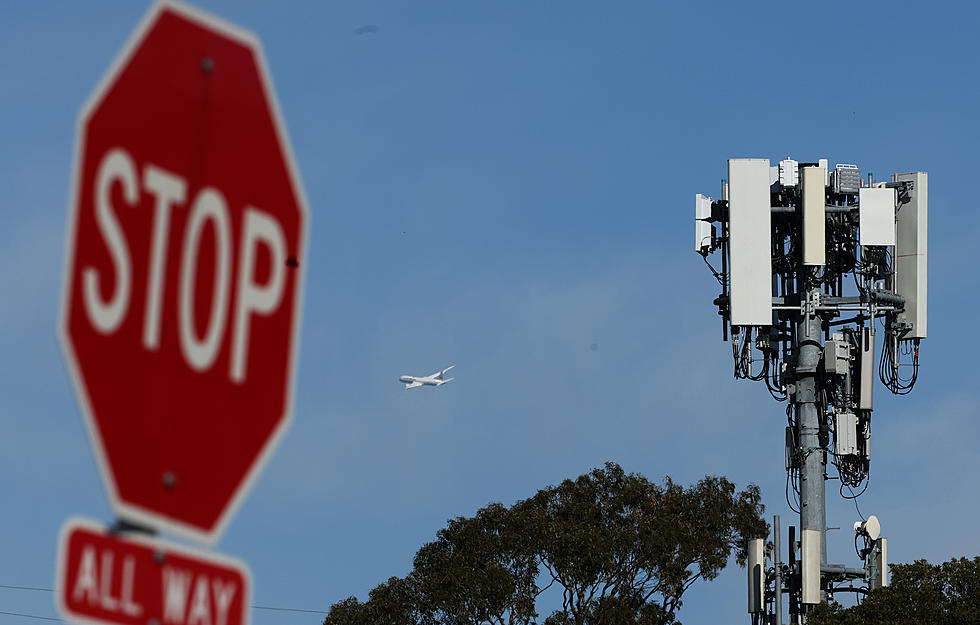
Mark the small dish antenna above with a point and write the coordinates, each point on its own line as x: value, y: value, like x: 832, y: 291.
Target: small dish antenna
x: 870, y: 528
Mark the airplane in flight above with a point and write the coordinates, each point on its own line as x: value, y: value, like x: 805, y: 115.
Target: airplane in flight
x: 436, y: 379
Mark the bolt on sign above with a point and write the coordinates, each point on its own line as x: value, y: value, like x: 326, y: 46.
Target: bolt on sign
x: 182, y: 287
x: 132, y: 580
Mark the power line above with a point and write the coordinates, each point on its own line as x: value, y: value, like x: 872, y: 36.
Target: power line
x: 266, y: 607
x: 255, y: 607
x: 42, y: 618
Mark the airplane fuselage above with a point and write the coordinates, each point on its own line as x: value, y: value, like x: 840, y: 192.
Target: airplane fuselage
x: 408, y: 379
x: 436, y: 379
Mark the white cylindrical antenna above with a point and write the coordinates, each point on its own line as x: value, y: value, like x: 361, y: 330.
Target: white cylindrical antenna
x: 757, y: 574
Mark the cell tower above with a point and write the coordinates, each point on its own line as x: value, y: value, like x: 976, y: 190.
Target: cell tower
x: 788, y: 236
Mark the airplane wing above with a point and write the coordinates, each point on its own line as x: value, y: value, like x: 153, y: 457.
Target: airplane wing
x: 413, y: 384
x: 446, y: 370
x: 441, y: 382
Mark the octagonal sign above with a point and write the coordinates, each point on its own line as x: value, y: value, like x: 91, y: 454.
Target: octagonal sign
x: 182, y: 285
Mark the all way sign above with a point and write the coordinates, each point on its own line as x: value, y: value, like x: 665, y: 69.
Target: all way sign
x: 130, y: 580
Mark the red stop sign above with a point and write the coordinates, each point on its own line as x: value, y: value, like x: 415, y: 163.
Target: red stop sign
x: 182, y: 290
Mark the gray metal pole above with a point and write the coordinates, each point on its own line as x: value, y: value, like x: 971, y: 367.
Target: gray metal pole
x: 777, y: 564
x: 813, y: 514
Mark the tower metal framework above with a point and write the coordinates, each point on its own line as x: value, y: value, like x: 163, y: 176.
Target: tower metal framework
x: 818, y: 268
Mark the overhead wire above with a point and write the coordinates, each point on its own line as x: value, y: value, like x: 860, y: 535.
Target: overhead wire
x: 34, y: 616
x: 255, y: 607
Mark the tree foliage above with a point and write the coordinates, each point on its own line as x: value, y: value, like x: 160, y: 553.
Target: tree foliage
x: 619, y: 548
x: 920, y: 593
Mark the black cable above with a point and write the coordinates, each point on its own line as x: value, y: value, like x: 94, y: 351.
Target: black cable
x: 735, y: 356
x: 851, y: 474
x: 889, y: 364
x: 861, y: 290
x: 854, y: 497
x: 788, y: 502
x: 764, y: 372
x: 773, y: 388
x: 714, y: 272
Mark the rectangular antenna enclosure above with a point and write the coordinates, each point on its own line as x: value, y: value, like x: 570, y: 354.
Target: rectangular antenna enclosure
x: 789, y: 173
x: 702, y: 229
x: 749, y: 232
x: 845, y: 434
x: 836, y: 356
x: 881, y: 564
x: 865, y: 434
x: 810, y: 566
x: 866, y: 366
x: 792, y: 461
x: 846, y: 178
x: 814, y: 216
x: 757, y: 574
x: 911, y: 253
x: 877, y: 216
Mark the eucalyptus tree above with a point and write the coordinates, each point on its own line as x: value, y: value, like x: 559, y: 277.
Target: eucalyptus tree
x: 616, y: 547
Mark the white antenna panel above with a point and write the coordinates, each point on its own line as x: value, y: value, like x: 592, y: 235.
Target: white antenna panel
x: 845, y: 434
x: 810, y: 566
x: 814, y: 216
x: 749, y: 232
x: 757, y: 575
x: 789, y: 173
x: 866, y: 369
x: 877, y: 215
x: 702, y: 229
x: 911, y: 253
x: 881, y: 564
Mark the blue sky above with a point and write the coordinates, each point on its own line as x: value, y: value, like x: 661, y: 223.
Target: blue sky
x: 501, y: 186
